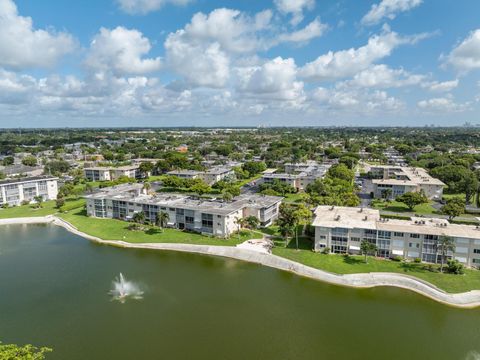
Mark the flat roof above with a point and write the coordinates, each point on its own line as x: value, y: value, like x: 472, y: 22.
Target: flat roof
x: 185, y: 202
x: 350, y: 218
x: 27, y: 179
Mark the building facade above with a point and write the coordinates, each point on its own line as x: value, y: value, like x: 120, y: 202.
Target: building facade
x: 342, y: 229
x: 212, y: 217
x: 398, y: 180
x: 111, y: 173
x: 17, y: 191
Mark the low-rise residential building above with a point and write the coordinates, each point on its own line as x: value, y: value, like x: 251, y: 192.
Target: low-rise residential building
x: 298, y: 175
x: 342, y: 229
x: 398, y: 180
x: 185, y: 174
x: 213, y: 217
x: 17, y: 191
x: 216, y: 174
x: 111, y: 173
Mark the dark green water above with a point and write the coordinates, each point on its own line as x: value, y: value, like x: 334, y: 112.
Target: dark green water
x: 54, y: 291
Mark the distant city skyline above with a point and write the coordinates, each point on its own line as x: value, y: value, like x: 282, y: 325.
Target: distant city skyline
x: 199, y: 63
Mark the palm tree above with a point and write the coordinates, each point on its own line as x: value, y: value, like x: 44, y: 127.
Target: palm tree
x: 38, y: 199
x: 139, y: 217
x: 444, y: 245
x: 367, y: 248
x: 240, y: 222
x: 146, y: 187
x: 161, y: 219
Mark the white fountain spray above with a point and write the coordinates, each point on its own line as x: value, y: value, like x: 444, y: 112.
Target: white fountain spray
x: 124, y: 289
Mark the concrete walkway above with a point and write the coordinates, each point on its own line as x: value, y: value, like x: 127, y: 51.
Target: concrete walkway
x: 469, y: 299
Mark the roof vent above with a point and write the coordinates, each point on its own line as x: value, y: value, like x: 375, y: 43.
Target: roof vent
x: 337, y: 217
x: 365, y: 218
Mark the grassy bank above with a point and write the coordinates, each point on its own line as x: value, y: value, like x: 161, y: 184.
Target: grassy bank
x: 109, y: 229
x: 48, y: 208
x: 398, y: 207
x: 340, y: 264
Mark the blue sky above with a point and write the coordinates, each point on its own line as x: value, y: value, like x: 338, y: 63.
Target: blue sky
x: 238, y: 63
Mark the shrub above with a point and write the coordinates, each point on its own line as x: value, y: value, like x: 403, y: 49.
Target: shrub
x: 326, y: 250
x: 417, y: 260
x: 455, y: 267
x: 25, y: 202
x: 397, y: 258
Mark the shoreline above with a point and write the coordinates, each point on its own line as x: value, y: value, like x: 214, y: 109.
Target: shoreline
x: 470, y: 299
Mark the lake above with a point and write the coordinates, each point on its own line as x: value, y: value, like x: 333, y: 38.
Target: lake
x: 54, y: 291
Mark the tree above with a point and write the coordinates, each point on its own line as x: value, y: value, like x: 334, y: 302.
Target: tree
x: 341, y: 171
x: 201, y: 188
x: 29, y: 161
x: 227, y: 196
x: 8, y: 160
x: 146, y: 187
x: 38, y: 199
x: 59, y: 202
x: 286, y: 221
x: 455, y: 267
x: 146, y: 168
x: 88, y: 188
x: 252, y: 222
x: 161, y: 219
x: 386, y: 194
x: 139, y: 217
x: 412, y: 199
x: 302, y: 217
x: 26, y: 352
x: 454, y: 207
x: 57, y: 167
x: 444, y: 245
x: 367, y: 248
x: 254, y: 167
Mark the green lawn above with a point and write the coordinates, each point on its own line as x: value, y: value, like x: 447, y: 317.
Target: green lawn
x: 48, y: 208
x: 293, y: 198
x: 110, y: 229
x: 340, y: 264
x: 395, y: 206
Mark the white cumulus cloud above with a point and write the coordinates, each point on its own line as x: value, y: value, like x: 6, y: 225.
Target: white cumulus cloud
x: 466, y: 56
x: 388, y: 9
x: 346, y: 63
x: 22, y: 46
x: 121, y: 50
x: 294, y: 8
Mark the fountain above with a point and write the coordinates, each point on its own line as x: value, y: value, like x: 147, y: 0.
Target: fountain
x: 124, y: 289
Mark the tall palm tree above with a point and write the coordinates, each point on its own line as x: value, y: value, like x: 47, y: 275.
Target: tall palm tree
x: 146, y: 187
x: 139, y: 217
x: 444, y: 245
x: 161, y: 219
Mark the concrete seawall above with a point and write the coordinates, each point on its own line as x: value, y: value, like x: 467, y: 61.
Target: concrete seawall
x: 469, y: 299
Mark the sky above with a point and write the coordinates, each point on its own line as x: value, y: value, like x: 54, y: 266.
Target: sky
x: 116, y: 63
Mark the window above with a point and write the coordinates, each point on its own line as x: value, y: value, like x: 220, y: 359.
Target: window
x: 476, y: 261
x: 207, y: 220
x: 398, y: 234
x: 476, y: 251
x: 357, y: 239
x: 415, y: 236
x: 323, y: 245
x: 323, y: 237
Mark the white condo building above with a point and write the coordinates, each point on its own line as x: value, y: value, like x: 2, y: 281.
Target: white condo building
x: 399, y: 180
x: 342, y: 229
x: 212, y: 217
x: 16, y: 191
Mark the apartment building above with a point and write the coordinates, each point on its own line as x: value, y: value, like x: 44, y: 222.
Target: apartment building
x: 298, y: 175
x: 342, y: 229
x: 210, y: 176
x: 206, y: 216
x: 16, y: 191
x: 111, y: 173
x: 399, y: 180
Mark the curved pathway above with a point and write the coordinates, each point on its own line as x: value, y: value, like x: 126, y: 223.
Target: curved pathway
x: 469, y: 299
